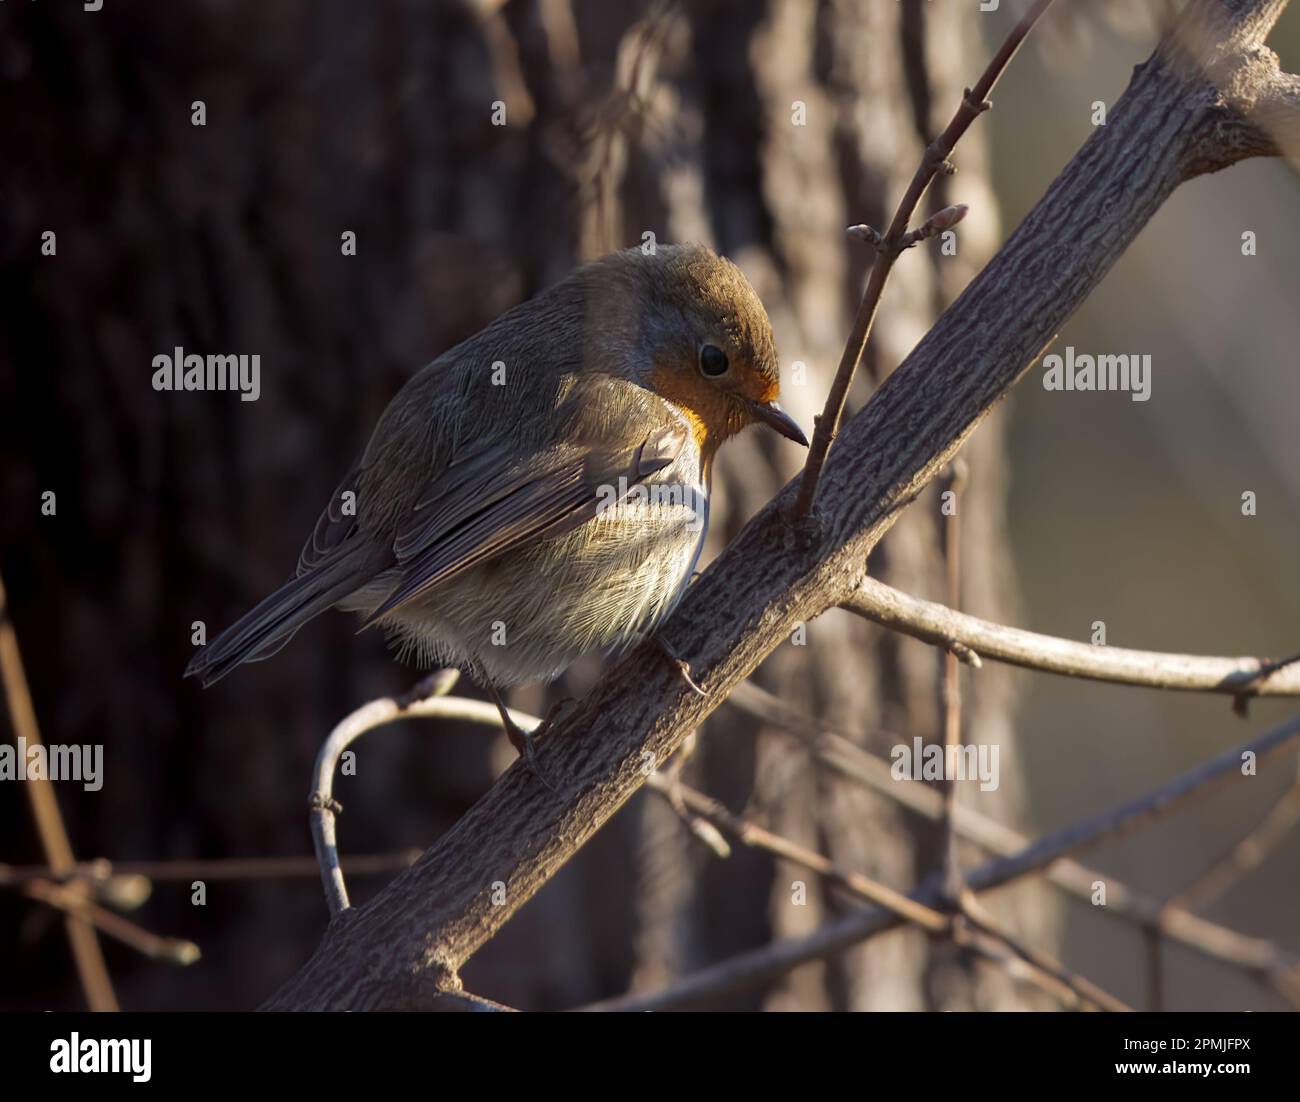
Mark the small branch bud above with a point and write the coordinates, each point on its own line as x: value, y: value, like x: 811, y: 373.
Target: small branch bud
x: 964, y: 654
x: 705, y: 832
x: 936, y: 224
x: 866, y: 233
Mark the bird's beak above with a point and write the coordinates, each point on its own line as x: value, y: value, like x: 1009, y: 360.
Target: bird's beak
x: 772, y: 415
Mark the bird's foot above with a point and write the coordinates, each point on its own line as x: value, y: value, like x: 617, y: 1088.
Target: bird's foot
x: 526, y: 746
x: 683, y: 667
x: 525, y: 742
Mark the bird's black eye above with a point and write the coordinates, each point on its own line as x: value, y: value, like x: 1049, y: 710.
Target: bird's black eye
x: 713, y: 361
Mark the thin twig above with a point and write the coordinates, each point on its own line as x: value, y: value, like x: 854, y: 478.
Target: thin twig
x: 944, y: 627
x: 935, y: 159
x: 1244, y: 857
x: 954, y: 484
x: 74, y: 904
x: 1241, y: 699
x: 758, y: 837
x: 668, y: 782
x: 86, y: 950
x: 101, y: 873
x: 1018, y: 966
x: 1083, y: 989
x: 1041, y: 970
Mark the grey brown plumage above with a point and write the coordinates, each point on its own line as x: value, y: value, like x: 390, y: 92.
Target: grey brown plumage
x: 510, y: 518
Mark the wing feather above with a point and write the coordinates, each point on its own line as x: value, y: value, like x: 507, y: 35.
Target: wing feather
x: 483, y: 506
x: 333, y: 526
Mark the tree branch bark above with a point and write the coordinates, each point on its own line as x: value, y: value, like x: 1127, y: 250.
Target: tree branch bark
x: 945, y: 627
x: 407, y: 945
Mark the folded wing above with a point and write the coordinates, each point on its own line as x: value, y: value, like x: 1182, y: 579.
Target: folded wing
x: 490, y: 502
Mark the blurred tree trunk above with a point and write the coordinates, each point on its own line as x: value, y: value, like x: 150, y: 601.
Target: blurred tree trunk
x: 329, y: 117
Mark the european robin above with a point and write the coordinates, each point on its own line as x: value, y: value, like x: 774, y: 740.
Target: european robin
x: 541, y: 490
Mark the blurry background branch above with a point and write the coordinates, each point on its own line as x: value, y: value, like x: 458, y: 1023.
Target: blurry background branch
x: 126, y: 884
x: 1171, y: 919
x: 96, y: 984
x: 71, y: 899
x: 1040, y: 970
x: 1245, y: 855
x: 761, y: 965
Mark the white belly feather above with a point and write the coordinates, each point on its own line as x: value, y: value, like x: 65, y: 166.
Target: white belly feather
x: 527, y: 615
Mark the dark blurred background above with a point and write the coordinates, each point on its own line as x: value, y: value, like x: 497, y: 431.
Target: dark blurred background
x: 622, y: 118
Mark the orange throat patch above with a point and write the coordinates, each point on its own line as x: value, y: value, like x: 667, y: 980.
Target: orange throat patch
x: 707, y: 410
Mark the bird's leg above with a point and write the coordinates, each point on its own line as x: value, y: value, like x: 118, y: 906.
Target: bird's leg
x: 683, y: 667
x: 523, y: 742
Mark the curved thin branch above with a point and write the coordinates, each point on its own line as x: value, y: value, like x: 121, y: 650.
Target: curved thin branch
x: 325, y: 809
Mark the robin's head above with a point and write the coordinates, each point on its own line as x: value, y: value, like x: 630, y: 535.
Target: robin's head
x: 705, y: 342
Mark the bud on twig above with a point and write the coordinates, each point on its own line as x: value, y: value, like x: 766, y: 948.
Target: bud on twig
x: 866, y: 233
x: 937, y: 223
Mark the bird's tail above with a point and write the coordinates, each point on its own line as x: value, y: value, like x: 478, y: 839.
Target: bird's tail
x: 263, y: 630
